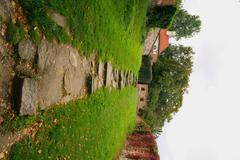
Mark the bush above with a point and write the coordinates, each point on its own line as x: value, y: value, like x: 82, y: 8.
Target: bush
x: 145, y: 73
x: 161, y: 16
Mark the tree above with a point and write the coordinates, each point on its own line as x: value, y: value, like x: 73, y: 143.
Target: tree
x: 170, y: 81
x: 185, y: 24
x: 160, y: 16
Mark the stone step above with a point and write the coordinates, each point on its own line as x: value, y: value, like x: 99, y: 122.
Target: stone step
x: 108, y: 76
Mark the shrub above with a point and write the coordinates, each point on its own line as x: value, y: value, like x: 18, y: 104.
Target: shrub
x: 145, y: 73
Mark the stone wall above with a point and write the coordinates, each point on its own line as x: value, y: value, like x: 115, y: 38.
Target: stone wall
x: 61, y: 76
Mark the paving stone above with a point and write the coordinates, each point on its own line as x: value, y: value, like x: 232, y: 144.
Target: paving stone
x: 109, y: 74
x: 100, y: 74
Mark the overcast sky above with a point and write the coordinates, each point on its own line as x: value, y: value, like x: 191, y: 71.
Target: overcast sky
x: 208, y: 124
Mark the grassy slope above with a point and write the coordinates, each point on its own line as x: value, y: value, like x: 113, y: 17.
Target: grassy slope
x: 113, y: 28
x: 91, y: 129
x: 95, y: 128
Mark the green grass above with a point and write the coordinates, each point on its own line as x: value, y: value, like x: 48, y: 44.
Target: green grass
x: 113, y: 28
x: 84, y: 130
x: 19, y: 122
x: 15, y: 32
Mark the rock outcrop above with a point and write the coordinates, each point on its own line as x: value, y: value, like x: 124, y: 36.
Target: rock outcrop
x: 63, y: 75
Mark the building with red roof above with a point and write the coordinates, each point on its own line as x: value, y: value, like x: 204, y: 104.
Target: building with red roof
x: 155, y: 45
x: 161, y: 44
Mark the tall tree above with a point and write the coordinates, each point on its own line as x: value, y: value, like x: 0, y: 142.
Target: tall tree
x: 185, y: 24
x: 170, y: 81
x: 160, y: 16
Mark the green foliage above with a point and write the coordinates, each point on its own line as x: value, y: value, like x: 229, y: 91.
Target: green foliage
x: 36, y: 12
x: 35, y: 36
x: 170, y: 81
x: 185, y: 24
x: 15, y: 32
x: 112, y: 28
x: 161, y: 16
x: 145, y: 73
x: 21, y: 122
x: 17, y: 123
x: 92, y: 129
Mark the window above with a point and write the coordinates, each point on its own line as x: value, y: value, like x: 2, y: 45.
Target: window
x: 141, y: 99
x: 142, y: 89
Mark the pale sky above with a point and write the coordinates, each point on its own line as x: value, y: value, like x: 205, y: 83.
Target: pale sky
x: 208, y: 124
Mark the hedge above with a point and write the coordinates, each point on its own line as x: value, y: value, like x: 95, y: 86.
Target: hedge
x: 145, y: 73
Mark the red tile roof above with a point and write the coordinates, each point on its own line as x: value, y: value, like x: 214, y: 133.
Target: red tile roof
x: 164, y: 40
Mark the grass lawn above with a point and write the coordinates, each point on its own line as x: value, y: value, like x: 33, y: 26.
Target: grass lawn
x: 95, y: 128
x: 113, y: 28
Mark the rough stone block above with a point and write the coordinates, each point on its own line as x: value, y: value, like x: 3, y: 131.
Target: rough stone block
x: 27, y: 50
x: 109, y: 77
x: 58, y: 18
x: 29, y: 101
x: 100, y: 74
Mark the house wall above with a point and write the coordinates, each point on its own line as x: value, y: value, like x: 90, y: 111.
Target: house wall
x: 154, y: 3
x: 160, y: 44
x: 142, y: 95
x: 154, y: 58
x: 149, y: 41
x: 154, y: 52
